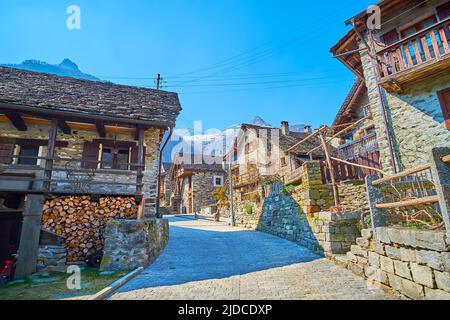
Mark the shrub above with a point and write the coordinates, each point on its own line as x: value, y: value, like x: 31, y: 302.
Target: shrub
x: 249, y: 209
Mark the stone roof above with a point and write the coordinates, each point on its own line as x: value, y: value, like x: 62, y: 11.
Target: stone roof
x: 193, y: 166
x: 352, y: 96
x: 45, y: 92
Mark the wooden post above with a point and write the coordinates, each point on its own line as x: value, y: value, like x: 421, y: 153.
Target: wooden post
x: 140, y: 171
x: 441, y: 176
x: 50, y: 154
x: 375, y: 196
x: 330, y: 166
x: 29, y: 238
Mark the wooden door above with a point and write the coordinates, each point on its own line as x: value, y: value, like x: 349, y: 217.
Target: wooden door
x: 444, y: 99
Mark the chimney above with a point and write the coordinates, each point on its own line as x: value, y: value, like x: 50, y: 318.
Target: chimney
x: 284, y: 128
x: 308, y: 129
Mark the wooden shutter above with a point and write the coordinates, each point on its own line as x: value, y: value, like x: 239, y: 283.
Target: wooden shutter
x: 443, y: 11
x: 134, y: 157
x: 6, y: 153
x: 390, y: 37
x: 444, y: 98
x: 90, y: 153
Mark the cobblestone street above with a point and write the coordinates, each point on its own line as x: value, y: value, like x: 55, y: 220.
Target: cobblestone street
x: 210, y: 260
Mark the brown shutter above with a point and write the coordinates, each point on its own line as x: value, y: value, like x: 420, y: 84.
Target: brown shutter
x: 134, y: 157
x: 443, y: 11
x: 444, y: 98
x: 90, y: 155
x: 6, y: 153
x: 390, y: 37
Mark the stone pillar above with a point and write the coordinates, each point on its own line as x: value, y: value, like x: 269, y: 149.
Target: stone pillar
x: 375, y: 196
x: 441, y: 176
x: 29, y: 238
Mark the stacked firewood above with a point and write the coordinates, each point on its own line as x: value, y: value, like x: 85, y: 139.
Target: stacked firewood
x: 82, y: 221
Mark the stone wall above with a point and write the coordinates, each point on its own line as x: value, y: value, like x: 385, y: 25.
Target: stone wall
x: 322, y: 232
x: 130, y: 244
x: 353, y: 195
x: 415, y: 263
x: 245, y: 218
x: 51, y: 256
x: 416, y: 116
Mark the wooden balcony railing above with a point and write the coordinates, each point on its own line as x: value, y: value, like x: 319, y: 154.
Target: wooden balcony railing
x: 246, y: 178
x: 69, y: 176
x: 294, y: 176
x: 422, y: 49
x: 358, y: 147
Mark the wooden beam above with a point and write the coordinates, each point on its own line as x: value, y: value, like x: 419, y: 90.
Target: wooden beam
x: 402, y: 174
x: 100, y: 125
x: 16, y: 120
x: 446, y: 159
x: 408, y: 203
x: 64, y: 126
x: 330, y: 167
x: 50, y: 154
x: 141, y: 156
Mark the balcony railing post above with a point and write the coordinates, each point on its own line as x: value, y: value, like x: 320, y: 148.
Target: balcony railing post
x: 441, y: 176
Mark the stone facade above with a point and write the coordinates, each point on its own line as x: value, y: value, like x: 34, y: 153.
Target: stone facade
x: 417, y: 122
x: 322, y: 232
x: 51, y: 256
x: 130, y: 244
x: 415, y: 263
x: 203, y: 188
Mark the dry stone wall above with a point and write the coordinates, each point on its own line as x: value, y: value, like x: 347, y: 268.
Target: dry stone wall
x: 415, y: 263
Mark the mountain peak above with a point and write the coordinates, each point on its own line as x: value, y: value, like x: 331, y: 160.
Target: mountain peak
x: 258, y: 121
x: 67, y: 68
x: 69, y: 64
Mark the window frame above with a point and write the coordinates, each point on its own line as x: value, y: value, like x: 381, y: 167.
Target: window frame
x: 221, y: 181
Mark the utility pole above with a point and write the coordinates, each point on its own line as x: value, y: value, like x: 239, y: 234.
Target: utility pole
x: 158, y: 82
x: 230, y: 182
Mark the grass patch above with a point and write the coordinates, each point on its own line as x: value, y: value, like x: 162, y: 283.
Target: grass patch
x: 53, y: 286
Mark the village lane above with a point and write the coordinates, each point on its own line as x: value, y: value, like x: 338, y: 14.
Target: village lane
x: 206, y: 260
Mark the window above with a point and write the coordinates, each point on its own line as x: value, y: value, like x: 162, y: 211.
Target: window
x: 218, y: 181
x: 283, y: 162
x: 28, y: 155
x: 115, y: 158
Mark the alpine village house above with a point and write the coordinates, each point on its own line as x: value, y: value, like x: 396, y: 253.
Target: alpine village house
x: 73, y: 155
x: 404, y: 66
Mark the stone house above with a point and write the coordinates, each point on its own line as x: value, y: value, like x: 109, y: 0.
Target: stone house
x: 358, y: 144
x: 194, y: 184
x: 261, y: 156
x: 165, y: 184
x: 91, y: 142
x: 405, y: 67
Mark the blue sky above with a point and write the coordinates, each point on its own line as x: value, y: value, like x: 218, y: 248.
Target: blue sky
x: 268, y: 58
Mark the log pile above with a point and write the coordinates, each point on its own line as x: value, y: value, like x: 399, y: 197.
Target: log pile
x: 82, y: 221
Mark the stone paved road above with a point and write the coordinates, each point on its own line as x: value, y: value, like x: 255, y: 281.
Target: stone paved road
x: 206, y: 260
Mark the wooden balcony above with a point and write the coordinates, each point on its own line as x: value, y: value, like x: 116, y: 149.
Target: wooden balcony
x: 246, y: 178
x: 71, y: 177
x: 294, y: 176
x: 416, y: 57
x: 356, y: 148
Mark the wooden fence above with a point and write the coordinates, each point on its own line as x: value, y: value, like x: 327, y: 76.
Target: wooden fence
x: 425, y: 185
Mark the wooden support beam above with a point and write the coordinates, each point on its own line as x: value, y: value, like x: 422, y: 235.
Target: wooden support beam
x: 100, y: 125
x: 141, y: 156
x: 50, y: 154
x: 30, y: 235
x: 16, y: 120
x: 64, y: 126
x: 330, y: 167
